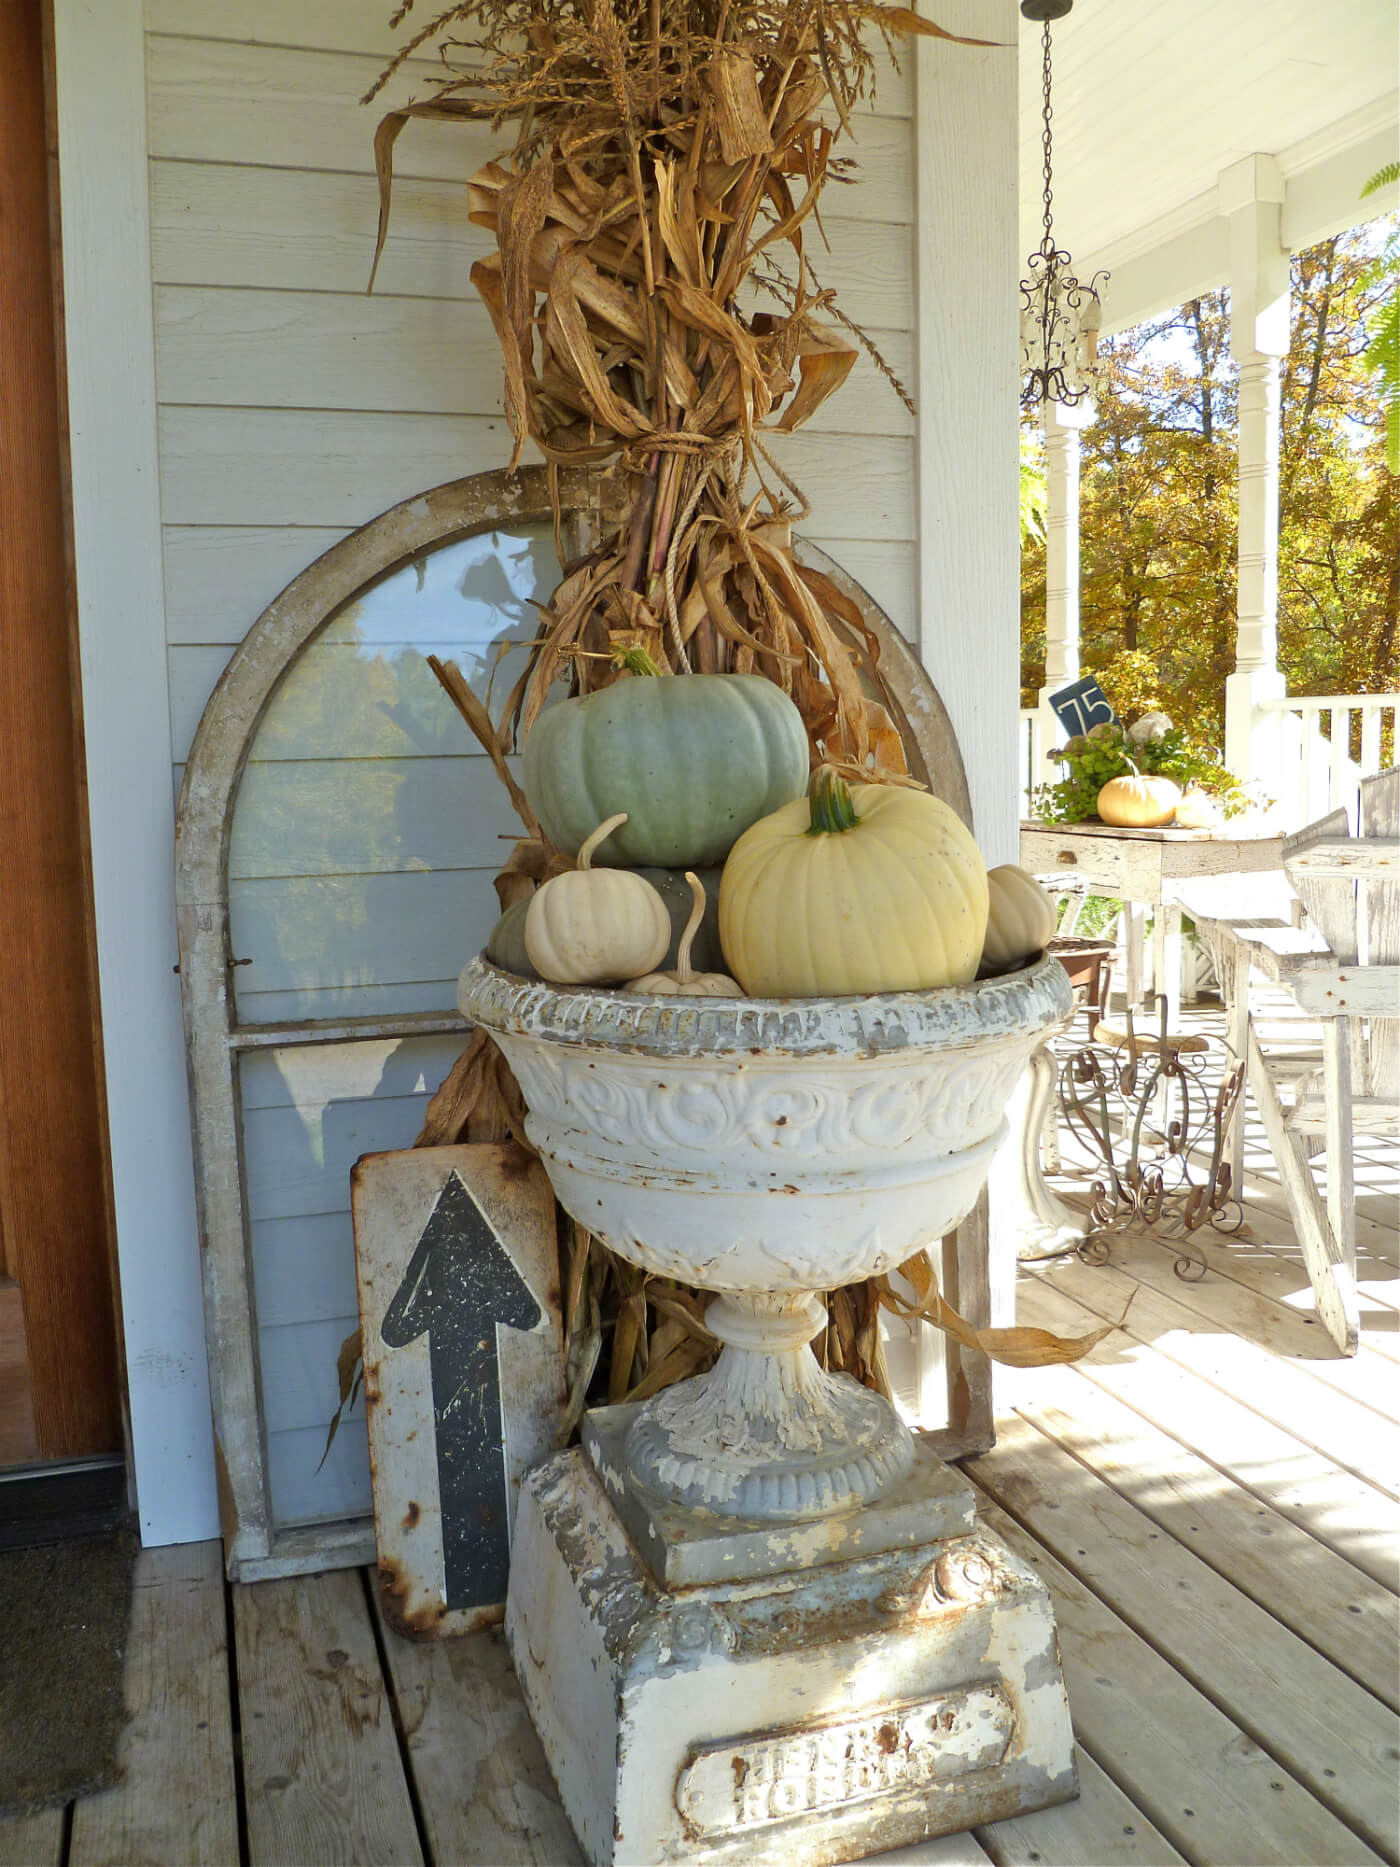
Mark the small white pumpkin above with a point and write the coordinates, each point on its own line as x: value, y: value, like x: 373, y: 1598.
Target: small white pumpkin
x: 1198, y: 810
x: 596, y: 926
x: 683, y: 982
x: 1020, y: 919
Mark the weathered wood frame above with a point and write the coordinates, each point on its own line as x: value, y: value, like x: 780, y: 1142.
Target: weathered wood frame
x: 255, y: 1548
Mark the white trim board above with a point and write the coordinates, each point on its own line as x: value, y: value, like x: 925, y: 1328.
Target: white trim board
x: 1187, y: 252
x: 101, y: 93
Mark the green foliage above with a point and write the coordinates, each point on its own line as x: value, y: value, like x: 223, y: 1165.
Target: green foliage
x: 1032, y: 489
x: 1091, y: 759
x: 1159, y: 503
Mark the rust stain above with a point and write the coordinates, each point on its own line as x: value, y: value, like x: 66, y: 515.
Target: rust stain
x: 411, y: 1516
x: 887, y: 1737
x: 740, y: 1767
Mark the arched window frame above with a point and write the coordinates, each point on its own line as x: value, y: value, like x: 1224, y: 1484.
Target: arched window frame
x: 255, y: 1546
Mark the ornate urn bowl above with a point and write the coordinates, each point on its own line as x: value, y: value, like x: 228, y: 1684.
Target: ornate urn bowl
x: 767, y: 1150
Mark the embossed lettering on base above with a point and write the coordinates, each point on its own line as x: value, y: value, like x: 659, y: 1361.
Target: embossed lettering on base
x: 753, y: 1781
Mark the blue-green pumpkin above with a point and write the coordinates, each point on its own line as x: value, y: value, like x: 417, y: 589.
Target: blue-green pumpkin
x: 693, y: 759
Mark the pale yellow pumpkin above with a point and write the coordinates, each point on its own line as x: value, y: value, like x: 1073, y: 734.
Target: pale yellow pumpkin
x: 1138, y: 802
x: 596, y: 926
x: 684, y: 982
x: 1020, y: 919
x: 864, y: 888
x: 1198, y: 810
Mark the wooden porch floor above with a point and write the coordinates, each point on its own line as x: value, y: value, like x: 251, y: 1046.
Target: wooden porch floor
x: 1210, y: 1497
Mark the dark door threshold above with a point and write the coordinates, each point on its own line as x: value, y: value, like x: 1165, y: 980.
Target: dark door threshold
x: 57, y: 1502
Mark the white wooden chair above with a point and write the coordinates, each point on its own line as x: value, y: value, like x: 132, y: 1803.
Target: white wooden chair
x: 1341, y: 967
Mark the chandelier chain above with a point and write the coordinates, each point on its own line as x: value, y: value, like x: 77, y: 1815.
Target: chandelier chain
x: 1047, y: 244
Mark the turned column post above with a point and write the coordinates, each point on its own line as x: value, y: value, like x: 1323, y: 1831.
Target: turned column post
x: 1250, y: 200
x: 1063, y: 428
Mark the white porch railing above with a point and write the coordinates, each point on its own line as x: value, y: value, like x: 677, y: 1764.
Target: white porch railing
x: 1329, y: 744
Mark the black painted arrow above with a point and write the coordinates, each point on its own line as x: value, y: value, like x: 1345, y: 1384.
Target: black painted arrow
x: 460, y: 1284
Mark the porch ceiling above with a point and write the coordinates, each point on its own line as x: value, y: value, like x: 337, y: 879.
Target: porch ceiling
x: 1151, y: 103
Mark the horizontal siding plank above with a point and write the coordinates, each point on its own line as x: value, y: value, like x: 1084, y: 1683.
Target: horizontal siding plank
x: 322, y: 1772
x: 296, y: 1166
x: 312, y: 1484
x: 312, y: 1076
x: 347, y: 1001
x: 278, y: 107
x: 220, y: 578
x: 370, y: 816
x: 309, y: 230
x: 307, y: 467
x: 1329, y: 1733
x: 300, y: 1384
x: 325, y: 350
x: 303, y: 1269
x: 361, y: 26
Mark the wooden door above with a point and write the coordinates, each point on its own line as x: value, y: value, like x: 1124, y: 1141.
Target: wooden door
x: 59, y: 1362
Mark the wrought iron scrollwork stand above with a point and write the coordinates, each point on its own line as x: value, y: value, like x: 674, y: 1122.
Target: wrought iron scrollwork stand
x: 1143, y: 1110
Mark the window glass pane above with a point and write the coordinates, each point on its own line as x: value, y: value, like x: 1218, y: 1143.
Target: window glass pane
x: 309, y: 1112
x: 368, y: 823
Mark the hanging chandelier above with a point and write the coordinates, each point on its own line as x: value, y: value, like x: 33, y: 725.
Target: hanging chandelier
x: 1060, y: 318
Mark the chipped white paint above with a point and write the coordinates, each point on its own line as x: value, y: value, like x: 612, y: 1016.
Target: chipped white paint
x: 815, y: 1716
x: 768, y: 1149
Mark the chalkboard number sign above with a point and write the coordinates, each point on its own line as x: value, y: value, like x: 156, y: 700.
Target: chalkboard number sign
x: 1081, y: 705
x: 459, y: 1307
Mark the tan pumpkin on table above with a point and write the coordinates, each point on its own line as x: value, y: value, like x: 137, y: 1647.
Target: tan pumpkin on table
x: 684, y: 982
x: 596, y: 926
x: 1138, y: 802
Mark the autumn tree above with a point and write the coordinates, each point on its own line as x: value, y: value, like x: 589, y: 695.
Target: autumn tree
x: 1159, y: 505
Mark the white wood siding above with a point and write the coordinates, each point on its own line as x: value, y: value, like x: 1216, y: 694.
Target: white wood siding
x: 290, y: 402
x: 292, y: 408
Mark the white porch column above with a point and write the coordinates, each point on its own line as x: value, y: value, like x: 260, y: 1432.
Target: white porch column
x: 1063, y: 427
x: 1251, y: 197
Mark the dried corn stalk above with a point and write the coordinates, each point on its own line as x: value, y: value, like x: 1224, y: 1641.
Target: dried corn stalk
x: 669, y: 157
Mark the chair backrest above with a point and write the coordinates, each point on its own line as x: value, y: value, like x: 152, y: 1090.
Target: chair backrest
x: 1352, y: 897
x: 1380, y: 917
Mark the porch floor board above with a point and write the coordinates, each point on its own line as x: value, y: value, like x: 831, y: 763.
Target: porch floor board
x: 1210, y: 1497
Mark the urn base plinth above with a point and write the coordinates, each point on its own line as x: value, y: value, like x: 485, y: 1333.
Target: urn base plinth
x: 816, y: 1713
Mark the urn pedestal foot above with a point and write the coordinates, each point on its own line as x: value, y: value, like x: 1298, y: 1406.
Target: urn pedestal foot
x: 818, y: 1711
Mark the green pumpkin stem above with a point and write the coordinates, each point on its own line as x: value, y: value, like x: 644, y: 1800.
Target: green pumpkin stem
x: 833, y: 807
x: 635, y: 660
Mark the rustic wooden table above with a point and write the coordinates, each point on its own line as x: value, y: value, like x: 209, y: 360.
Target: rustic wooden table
x: 1146, y: 869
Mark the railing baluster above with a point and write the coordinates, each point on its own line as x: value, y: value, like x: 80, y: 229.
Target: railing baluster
x: 1371, y: 718
x: 1338, y: 789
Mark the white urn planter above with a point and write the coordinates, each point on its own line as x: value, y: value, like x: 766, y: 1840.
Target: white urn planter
x: 769, y: 1151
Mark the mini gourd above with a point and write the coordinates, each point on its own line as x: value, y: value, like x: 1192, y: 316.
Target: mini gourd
x: 596, y: 926
x: 1020, y: 919
x: 683, y: 982
x: 1137, y: 802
